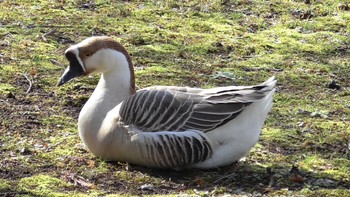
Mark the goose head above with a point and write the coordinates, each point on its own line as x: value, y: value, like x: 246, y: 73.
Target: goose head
x: 98, y: 54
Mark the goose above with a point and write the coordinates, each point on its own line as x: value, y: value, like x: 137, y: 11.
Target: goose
x: 162, y: 126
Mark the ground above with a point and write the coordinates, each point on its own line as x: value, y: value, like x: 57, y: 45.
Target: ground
x: 304, y: 149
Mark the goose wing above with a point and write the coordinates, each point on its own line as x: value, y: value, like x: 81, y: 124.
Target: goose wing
x: 169, y: 108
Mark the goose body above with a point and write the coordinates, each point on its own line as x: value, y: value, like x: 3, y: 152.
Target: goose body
x: 163, y: 126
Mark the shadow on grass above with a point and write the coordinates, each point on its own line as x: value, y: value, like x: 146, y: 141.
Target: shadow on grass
x: 239, y: 177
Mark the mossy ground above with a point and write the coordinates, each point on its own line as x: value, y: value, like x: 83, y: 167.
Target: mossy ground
x: 305, y: 44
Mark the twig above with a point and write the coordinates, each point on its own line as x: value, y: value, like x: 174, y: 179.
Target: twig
x: 224, y: 177
x: 271, y: 176
x: 47, y: 33
x: 30, y: 83
x: 56, y: 63
x: 2, y: 100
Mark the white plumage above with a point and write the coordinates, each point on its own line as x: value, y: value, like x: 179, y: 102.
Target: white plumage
x: 163, y: 126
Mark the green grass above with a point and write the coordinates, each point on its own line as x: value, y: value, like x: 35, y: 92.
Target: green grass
x: 184, y: 43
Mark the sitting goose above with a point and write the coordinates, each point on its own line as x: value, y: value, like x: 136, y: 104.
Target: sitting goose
x: 163, y: 126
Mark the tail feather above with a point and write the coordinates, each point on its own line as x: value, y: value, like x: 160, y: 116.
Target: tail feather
x: 270, y: 83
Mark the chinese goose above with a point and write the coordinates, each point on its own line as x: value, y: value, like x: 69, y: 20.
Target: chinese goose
x: 163, y: 126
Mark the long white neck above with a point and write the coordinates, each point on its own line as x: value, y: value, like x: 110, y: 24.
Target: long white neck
x: 114, y: 87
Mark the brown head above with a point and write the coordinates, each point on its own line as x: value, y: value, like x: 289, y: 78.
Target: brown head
x: 91, y: 56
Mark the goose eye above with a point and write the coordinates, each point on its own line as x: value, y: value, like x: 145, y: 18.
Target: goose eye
x: 87, y: 54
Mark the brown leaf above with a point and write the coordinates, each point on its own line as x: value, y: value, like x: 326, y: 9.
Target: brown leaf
x: 91, y: 163
x: 33, y: 72
x: 296, y: 178
x: 295, y: 175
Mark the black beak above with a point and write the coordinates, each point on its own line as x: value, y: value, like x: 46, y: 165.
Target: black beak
x: 69, y: 74
x: 74, y: 70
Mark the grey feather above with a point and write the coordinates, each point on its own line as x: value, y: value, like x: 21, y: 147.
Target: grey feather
x: 171, y: 150
x: 170, y: 108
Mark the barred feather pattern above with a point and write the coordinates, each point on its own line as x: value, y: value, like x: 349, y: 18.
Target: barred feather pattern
x: 173, y: 149
x: 179, y: 109
x: 171, y: 122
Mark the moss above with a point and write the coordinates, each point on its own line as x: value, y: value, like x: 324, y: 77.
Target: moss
x: 44, y: 185
x: 326, y: 192
x: 185, y: 43
x: 5, y: 88
x: 4, y: 185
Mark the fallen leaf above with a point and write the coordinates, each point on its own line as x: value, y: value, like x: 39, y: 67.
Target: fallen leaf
x: 77, y: 180
x: 295, y: 175
x: 33, y: 72
x: 80, y: 180
x: 296, y: 178
x: 91, y: 163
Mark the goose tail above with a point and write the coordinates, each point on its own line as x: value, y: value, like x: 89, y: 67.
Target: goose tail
x: 270, y: 83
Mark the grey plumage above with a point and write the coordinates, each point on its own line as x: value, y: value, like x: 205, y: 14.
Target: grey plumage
x: 179, y: 109
x: 174, y: 150
x: 174, y: 120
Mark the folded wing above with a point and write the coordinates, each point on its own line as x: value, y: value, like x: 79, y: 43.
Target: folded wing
x: 167, y: 108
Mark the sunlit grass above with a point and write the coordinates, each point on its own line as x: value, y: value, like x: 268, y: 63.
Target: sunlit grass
x: 184, y: 43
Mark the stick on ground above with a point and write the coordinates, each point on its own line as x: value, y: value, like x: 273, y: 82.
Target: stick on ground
x: 30, y: 83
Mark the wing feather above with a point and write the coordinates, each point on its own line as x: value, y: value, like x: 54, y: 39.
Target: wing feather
x: 174, y: 149
x: 178, y: 109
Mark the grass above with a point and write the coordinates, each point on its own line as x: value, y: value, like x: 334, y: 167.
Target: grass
x: 304, y: 149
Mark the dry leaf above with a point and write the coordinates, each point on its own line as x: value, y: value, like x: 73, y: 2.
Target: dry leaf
x: 33, y: 72
x: 295, y: 175
x: 77, y: 180
x: 200, y: 182
x: 296, y: 178
x: 91, y: 163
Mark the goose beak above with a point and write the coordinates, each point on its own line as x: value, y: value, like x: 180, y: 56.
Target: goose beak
x: 70, y: 73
